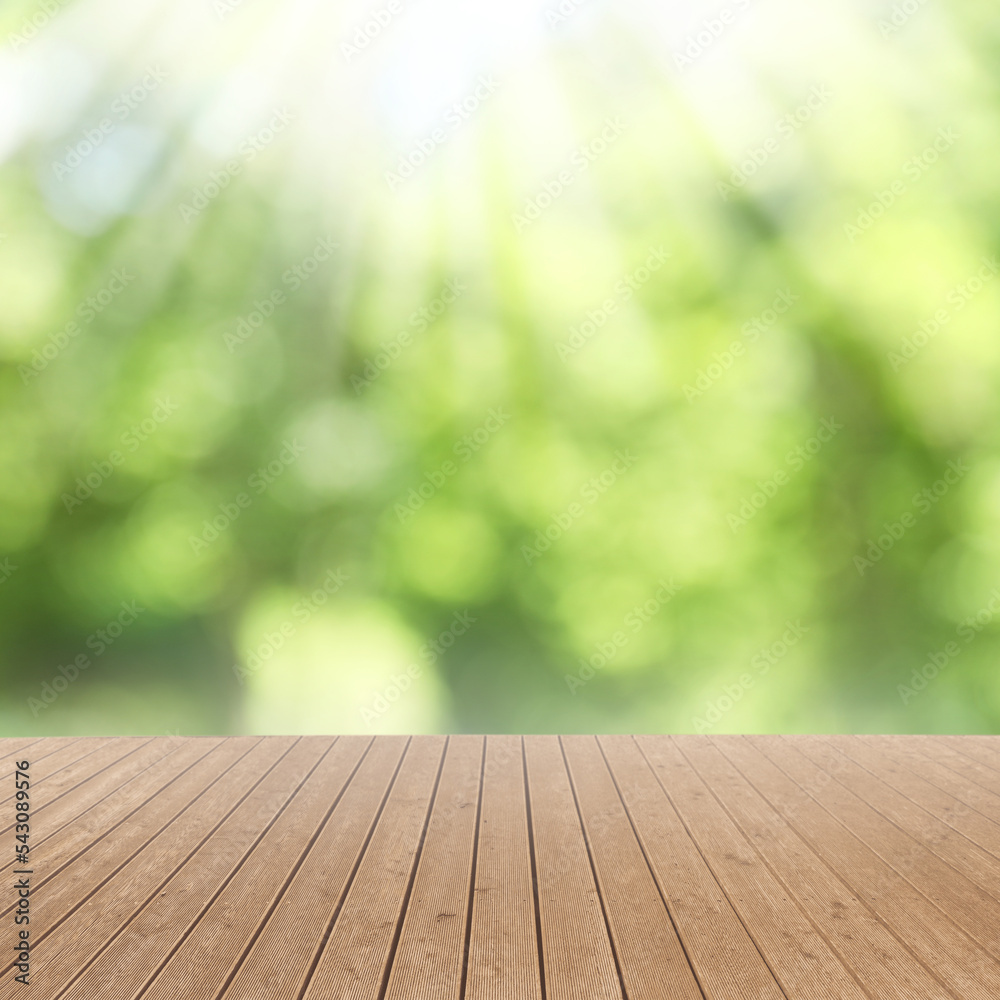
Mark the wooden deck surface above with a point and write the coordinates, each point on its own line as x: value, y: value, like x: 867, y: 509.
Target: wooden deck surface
x: 508, y: 868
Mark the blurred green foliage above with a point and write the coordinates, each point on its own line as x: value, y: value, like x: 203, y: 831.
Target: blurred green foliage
x: 328, y: 408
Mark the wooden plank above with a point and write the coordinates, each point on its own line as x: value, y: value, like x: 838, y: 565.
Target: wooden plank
x: 501, y: 868
x: 917, y: 913
x: 942, y: 945
x: 62, y: 789
x: 802, y: 960
x: 984, y: 748
x: 967, y: 768
x: 431, y: 951
x: 208, y: 958
x: 12, y: 746
x: 277, y: 959
x: 43, y: 768
x: 907, y: 752
x: 82, y: 773
x: 953, y: 831
x: 33, y: 750
x: 649, y: 951
x: 63, y: 825
x: 968, y: 903
x: 878, y: 957
x: 578, y: 956
x: 353, y: 961
x: 106, y: 857
x: 504, y: 962
x: 722, y: 953
x: 135, y: 945
x: 972, y: 754
x: 62, y: 843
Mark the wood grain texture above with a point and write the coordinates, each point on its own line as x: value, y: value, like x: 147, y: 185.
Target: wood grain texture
x: 124, y: 944
x: 578, y: 955
x: 650, y: 954
x: 431, y: 949
x: 509, y: 868
x: 281, y: 956
x: 76, y: 777
x: 504, y: 962
x: 939, y: 943
x: 357, y: 952
x: 796, y: 949
x: 968, y: 904
x: 210, y: 955
x: 862, y: 941
x: 722, y: 953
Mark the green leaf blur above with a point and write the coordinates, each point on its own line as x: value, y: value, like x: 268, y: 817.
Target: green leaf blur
x: 562, y: 367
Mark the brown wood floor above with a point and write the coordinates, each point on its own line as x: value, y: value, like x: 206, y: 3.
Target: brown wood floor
x: 541, y: 868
